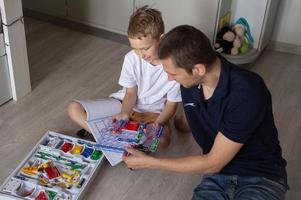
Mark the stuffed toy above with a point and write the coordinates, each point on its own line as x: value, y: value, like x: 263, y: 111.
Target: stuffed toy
x: 224, y: 40
x: 235, y: 40
x: 239, y: 31
x: 243, y: 32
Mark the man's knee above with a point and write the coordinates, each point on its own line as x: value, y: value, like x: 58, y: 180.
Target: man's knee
x: 261, y: 189
x: 210, y: 189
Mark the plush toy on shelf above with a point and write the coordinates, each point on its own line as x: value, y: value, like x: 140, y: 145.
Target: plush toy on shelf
x: 234, y: 40
x: 224, y: 40
x: 239, y: 39
x: 243, y: 30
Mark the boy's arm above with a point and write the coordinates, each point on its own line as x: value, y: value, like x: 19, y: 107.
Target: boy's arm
x: 128, y: 104
x: 168, y: 111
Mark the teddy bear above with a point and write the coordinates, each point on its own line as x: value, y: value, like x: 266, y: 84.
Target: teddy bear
x: 232, y: 40
x: 224, y: 40
x: 239, y: 40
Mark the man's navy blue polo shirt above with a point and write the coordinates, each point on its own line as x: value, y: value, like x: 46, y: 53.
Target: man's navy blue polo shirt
x: 241, y: 109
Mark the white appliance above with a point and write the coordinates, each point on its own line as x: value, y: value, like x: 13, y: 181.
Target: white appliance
x: 14, y: 69
x: 5, y: 87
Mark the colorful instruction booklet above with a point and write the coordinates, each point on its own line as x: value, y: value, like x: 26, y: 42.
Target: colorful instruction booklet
x: 113, y: 137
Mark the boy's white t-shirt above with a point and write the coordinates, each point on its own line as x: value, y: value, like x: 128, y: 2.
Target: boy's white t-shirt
x: 152, y: 83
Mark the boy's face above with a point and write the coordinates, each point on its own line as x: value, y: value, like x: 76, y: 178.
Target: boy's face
x: 146, y: 48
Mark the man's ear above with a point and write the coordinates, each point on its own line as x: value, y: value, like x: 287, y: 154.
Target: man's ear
x: 161, y: 36
x: 199, y: 69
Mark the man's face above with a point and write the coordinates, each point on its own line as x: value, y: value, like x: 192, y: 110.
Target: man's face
x: 179, y: 74
x: 146, y: 48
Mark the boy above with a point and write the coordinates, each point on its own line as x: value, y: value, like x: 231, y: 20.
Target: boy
x: 147, y: 95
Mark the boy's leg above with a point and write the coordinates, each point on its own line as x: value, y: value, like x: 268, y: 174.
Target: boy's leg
x: 181, y: 124
x: 180, y: 121
x: 165, y: 140
x: 150, y: 118
x: 147, y: 117
x: 78, y: 114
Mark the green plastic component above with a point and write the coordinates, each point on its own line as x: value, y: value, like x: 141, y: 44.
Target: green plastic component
x: 46, y: 156
x: 75, y: 166
x: 154, y: 145
x: 96, y: 155
x: 51, y: 194
x: 139, y: 136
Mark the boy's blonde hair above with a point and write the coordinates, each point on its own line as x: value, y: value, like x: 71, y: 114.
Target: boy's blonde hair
x: 146, y: 21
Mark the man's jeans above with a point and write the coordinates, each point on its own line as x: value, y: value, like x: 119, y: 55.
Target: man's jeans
x: 233, y: 187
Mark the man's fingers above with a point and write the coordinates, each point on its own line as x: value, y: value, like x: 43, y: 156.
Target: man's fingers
x: 134, y: 152
x: 131, y: 151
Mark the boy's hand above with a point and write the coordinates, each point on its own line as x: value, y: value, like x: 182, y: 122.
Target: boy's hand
x: 157, y: 123
x: 137, y: 159
x: 121, y: 116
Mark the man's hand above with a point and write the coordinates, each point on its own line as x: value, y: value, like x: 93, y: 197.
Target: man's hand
x: 137, y: 159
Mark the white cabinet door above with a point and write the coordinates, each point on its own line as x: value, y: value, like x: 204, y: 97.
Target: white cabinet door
x: 15, y: 47
x: 201, y: 14
x: 5, y: 89
x: 112, y: 15
x: 51, y: 7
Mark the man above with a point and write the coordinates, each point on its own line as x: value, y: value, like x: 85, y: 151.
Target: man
x: 229, y: 111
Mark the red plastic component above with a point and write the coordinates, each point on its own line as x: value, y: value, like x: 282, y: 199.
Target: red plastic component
x: 66, y: 147
x: 131, y: 125
x: 42, y: 196
x: 52, y: 172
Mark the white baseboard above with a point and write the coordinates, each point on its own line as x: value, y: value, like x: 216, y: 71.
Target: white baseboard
x: 284, y: 47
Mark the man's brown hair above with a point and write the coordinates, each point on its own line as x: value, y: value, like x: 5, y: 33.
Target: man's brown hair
x: 146, y: 21
x: 187, y: 46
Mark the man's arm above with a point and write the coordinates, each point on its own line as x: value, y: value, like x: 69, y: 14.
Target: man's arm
x: 168, y: 111
x: 222, y: 152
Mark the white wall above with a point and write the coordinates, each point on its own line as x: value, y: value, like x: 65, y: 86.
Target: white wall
x: 288, y: 26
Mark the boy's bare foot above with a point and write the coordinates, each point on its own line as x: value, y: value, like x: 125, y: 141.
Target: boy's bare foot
x: 181, y: 124
x: 83, y: 133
